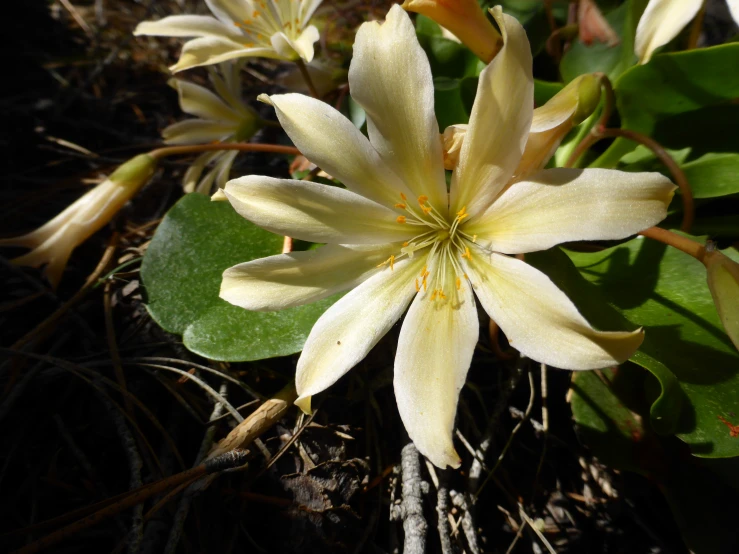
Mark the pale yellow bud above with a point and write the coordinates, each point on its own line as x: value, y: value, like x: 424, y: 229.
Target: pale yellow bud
x: 466, y: 20
x: 53, y: 242
x: 723, y: 282
x: 452, y: 140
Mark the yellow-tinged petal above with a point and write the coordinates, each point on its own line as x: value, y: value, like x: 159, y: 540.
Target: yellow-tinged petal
x: 499, y: 123
x: 210, y: 50
x: 298, y: 278
x: 314, y: 212
x: 349, y: 329
x: 453, y: 138
x: 201, y: 102
x: 198, y: 131
x: 435, y: 349
x: 560, y: 205
x: 317, y: 130
x: 186, y: 26
x: 723, y: 282
x: 661, y: 21
x: 466, y: 20
x: 540, y: 321
x: 391, y: 79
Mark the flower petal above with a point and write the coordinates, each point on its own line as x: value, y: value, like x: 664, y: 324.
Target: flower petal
x: 434, y: 353
x: 391, y: 79
x: 333, y: 143
x: 211, y: 50
x: 193, y: 173
x: 232, y: 11
x: 660, y: 23
x: 560, y: 205
x: 198, y: 131
x: 186, y: 26
x: 200, y: 102
x: 540, y: 321
x: 349, y: 329
x: 307, y: 9
x: 314, y: 212
x: 303, y: 45
x: 298, y: 278
x: 734, y: 9
x: 499, y: 123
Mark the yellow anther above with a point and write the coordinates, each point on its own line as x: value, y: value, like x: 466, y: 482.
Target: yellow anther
x: 255, y: 14
x: 426, y: 209
x: 423, y: 282
x: 423, y: 199
x: 400, y: 219
x: 392, y: 261
x: 399, y: 205
x: 462, y: 216
x: 433, y: 295
x: 465, y: 276
x: 403, y: 196
x: 442, y: 295
x: 474, y: 238
x: 418, y: 288
x: 463, y: 211
x: 459, y: 283
x: 467, y: 253
x: 406, y: 243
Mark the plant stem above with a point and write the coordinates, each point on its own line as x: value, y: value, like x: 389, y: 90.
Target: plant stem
x: 242, y: 146
x: 306, y: 77
x: 690, y: 247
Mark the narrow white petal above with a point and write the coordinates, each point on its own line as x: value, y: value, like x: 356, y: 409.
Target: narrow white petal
x: 308, y: 8
x: 193, y: 173
x: 660, y: 23
x: 231, y: 11
x: 391, y: 79
x: 560, y: 205
x: 197, y: 131
x: 333, y: 143
x: 343, y: 336
x: 304, y: 43
x: 434, y: 353
x: 314, y: 212
x: 223, y: 168
x: 212, y: 50
x: 298, y: 278
x: 201, y: 102
x: 186, y: 26
x: 734, y: 9
x: 499, y: 123
x: 540, y: 321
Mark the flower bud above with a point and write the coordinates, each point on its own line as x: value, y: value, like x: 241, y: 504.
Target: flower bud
x: 593, y: 26
x: 466, y: 20
x: 723, y: 282
x: 53, y: 242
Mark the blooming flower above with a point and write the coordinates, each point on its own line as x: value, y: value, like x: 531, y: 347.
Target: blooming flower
x: 465, y: 19
x: 54, y: 242
x: 241, y: 28
x: 664, y: 19
x: 398, y: 237
x: 222, y: 117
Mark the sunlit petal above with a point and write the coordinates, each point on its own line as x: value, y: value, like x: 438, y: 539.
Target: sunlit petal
x: 560, y: 205
x: 660, y: 23
x: 197, y: 131
x: 186, y: 26
x: 391, y: 79
x: 314, y: 212
x: 499, y: 123
x: 349, y: 329
x: 200, y: 102
x: 210, y: 50
x: 540, y: 321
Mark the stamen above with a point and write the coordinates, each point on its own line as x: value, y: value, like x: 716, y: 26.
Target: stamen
x: 418, y: 288
x: 459, y: 283
x: 426, y: 209
x: 423, y: 199
x: 401, y: 206
x: 467, y: 253
x: 474, y: 238
x: 403, y: 196
x: 255, y: 14
x: 400, y: 219
x: 406, y: 243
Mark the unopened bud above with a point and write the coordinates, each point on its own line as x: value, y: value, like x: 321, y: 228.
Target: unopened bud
x: 723, y: 282
x: 466, y: 20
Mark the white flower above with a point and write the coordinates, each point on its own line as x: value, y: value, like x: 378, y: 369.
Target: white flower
x: 241, y: 28
x: 664, y: 19
x: 398, y: 238
x: 222, y: 117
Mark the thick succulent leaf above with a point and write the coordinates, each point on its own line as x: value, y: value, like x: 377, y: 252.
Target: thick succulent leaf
x: 197, y: 240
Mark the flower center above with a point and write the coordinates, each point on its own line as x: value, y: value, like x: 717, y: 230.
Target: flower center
x: 265, y: 21
x: 443, y: 242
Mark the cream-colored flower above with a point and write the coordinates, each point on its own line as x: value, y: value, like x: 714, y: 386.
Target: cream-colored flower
x: 53, y: 242
x: 241, y: 28
x: 664, y: 19
x: 398, y: 237
x: 222, y: 117
x: 465, y: 20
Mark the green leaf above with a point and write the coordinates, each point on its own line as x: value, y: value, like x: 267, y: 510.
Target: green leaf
x: 672, y: 84
x: 544, y: 91
x: 447, y: 58
x: 607, y: 409
x: 448, y: 102
x: 713, y: 175
x: 665, y: 290
x: 196, y: 241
